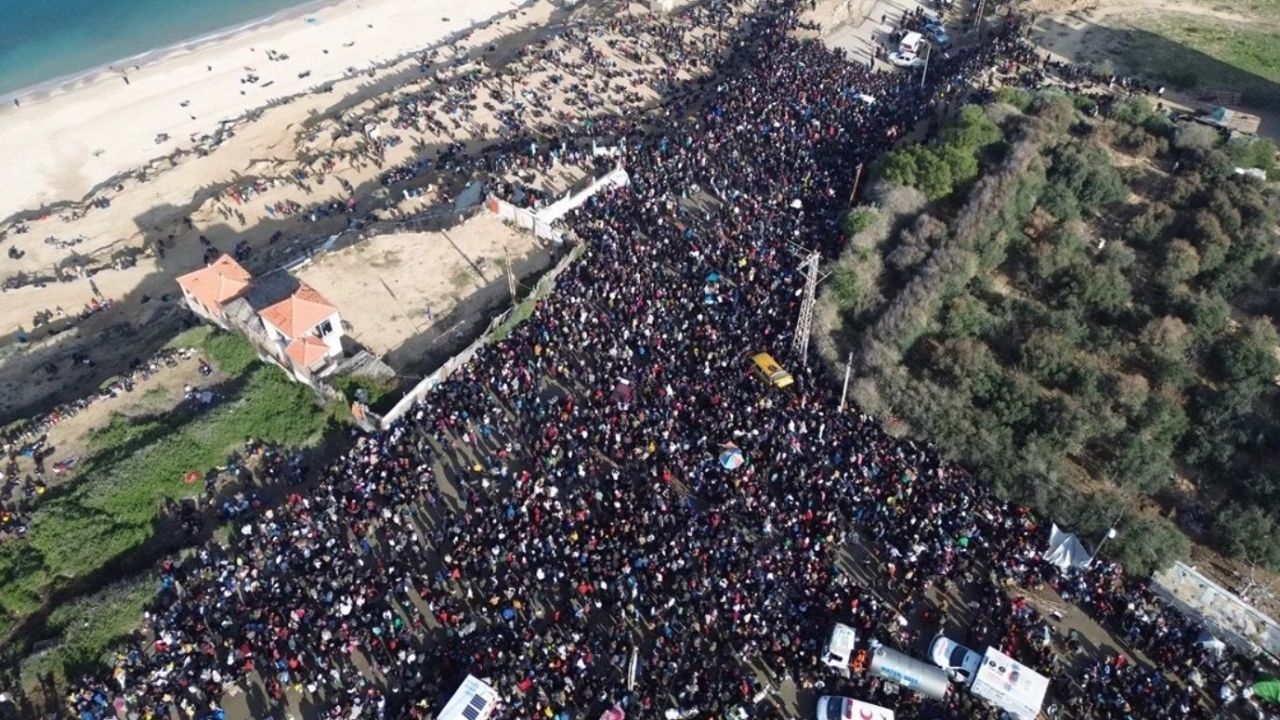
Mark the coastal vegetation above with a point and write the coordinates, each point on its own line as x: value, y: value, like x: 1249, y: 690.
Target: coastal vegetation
x: 1085, y: 318
x: 116, y: 515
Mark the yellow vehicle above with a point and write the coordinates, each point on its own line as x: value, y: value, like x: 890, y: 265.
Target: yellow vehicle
x: 769, y: 369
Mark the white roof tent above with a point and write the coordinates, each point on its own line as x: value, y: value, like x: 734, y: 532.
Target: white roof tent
x: 840, y: 646
x: 1010, y: 685
x: 474, y: 700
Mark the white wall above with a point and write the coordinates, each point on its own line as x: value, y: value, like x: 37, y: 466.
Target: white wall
x: 334, y: 339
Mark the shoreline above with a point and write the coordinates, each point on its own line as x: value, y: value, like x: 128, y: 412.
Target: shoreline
x: 70, y: 134
x: 81, y: 79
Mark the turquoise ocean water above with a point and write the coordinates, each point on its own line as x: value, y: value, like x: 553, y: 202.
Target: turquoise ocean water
x: 44, y: 40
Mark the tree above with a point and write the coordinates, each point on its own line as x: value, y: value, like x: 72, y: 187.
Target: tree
x: 1140, y: 464
x: 1181, y: 263
x: 1253, y: 152
x: 1060, y: 202
x: 1048, y: 357
x: 1150, y: 225
x: 1210, y: 315
x: 1130, y: 392
x: 1166, y: 337
x: 1212, y: 241
x: 1246, y: 532
x: 967, y: 317
x: 1146, y: 545
x: 933, y: 174
x: 1247, y: 357
x: 899, y: 167
x: 972, y: 130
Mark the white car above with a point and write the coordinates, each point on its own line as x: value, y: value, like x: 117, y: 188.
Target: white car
x: 832, y: 707
x: 906, y: 61
x: 960, y: 662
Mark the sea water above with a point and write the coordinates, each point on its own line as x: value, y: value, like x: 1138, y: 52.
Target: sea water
x: 46, y: 40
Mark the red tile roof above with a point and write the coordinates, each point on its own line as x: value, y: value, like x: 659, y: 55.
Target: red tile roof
x: 306, y: 351
x: 216, y: 283
x: 297, y: 314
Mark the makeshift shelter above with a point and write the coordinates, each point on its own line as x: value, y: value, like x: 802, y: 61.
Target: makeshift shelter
x: 1066, y: 550
x: 731, y: 457
x: 1267, y: 691
x: 1207, y: 641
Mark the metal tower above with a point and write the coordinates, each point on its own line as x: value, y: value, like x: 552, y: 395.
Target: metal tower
x: 800, y: 340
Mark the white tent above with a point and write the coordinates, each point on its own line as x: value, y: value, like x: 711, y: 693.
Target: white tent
x: 1065, y: 550
x: 1207, y: 641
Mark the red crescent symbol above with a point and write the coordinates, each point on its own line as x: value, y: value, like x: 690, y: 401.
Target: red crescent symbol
x: 866, y: 715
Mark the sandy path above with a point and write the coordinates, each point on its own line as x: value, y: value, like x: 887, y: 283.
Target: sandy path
x: 58, y: 147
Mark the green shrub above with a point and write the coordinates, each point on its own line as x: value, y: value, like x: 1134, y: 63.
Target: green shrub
x: 1254, y: 153
x: 1247, y: 533
x: 1135, y: 111
x: 1089, y: 174
x: 972, y: 130
x: 1016, y: 97
x: 114, y: 510
x: 88, y: 628
x: 857, y: 220
x: 229, y: 352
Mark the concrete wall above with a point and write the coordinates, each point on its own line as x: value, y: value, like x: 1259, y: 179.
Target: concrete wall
x: 424, y: 386
x: 540, y: 222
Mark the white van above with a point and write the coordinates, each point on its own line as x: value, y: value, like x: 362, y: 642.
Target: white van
x: 1010, y: 685
x: 831, y: 707
x: 911, y: 44
x: 839, y: 650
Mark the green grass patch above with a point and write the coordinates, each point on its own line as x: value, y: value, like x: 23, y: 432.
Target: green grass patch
x: 231, y: 353
x: 85, y: 630
x: 382, y: 391
x: 192, y: 337
x: 1192, y: 53
x: 136, y: 466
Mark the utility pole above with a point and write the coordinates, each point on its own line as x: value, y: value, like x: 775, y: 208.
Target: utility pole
x: 848, y: 369
x: 1111, y: 532
x: 800, y: 340
x: 857, y: 178
x: 928, y: 53
x: 511, y: 276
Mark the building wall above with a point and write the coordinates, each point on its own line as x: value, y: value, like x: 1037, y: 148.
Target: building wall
x: 334, y: 339
x: 199, y: 309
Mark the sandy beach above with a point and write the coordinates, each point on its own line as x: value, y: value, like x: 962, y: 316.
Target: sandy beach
x: 58, y: 146
x: 280, y: 181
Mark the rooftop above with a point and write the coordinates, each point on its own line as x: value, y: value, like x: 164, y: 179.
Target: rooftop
x: 298, y: 313
x: 307, y: 351
x: 214, y: 284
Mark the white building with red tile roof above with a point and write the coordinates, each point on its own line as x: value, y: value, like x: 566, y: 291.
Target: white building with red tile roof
x: 209, y: 289
x: 289, y: 322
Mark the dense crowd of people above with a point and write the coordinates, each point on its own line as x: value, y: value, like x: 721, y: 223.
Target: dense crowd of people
x: 528, y: 524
